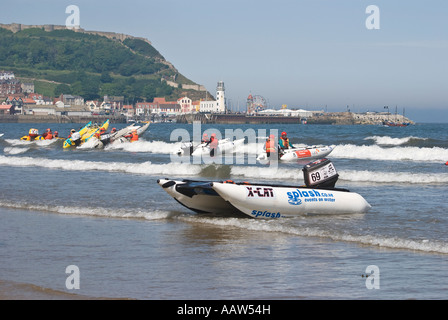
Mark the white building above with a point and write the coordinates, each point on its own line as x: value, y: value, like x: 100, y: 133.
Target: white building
x: 186, y: 105
x: 288, y: 113
x: 218, y: 106
x: 6, y: 75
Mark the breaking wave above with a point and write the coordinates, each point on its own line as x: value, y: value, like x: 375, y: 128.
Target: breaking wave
x: 221, y: 171
x: 375, y: 152
x: 389, y: 141
x: 134, y: 213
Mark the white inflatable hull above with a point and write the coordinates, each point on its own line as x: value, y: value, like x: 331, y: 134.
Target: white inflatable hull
x: 119, y: 137
x: 307, y: 153
x: 262, y: 201
x: 224, y: 145
x: 274, y: 202
x: 92, y: 143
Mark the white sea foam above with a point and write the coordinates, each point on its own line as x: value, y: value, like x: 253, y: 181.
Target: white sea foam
x: 40, y: 143
x: 81, y: 165
x: 375, y: 152
x: 393, y: 177
x: 390, y: 141
x: 15, y: 150
x: 137, y: 213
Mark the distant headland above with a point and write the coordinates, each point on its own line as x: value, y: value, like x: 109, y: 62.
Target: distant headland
x: 16, y: 27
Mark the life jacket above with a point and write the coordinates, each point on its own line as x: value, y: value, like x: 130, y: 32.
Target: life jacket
x: 134, y: 137
x: 49, y: 136
x: 270, y: 146
x: 285, y: 143
x: 213, y: 143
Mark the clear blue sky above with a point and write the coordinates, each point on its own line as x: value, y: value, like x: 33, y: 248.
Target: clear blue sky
x: 311, y: 54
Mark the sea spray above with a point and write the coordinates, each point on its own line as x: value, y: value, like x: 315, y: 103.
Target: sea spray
x: 375, y: 152
x: 390, y: 141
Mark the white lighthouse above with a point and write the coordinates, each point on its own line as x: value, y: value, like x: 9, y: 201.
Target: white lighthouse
x: 218, y: 105
x: 220, y: 98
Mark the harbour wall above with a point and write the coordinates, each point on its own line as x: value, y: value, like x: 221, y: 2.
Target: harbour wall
x: 235, y: 119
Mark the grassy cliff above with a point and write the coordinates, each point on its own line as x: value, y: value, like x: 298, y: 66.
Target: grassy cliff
x: 64, y: 61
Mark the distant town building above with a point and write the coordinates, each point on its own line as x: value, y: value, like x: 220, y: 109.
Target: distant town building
x: 7, y: 75
x: 128, y: 110
x: 70, y: 100
x: 6, y: 109
x: 186, y: 105
x: 16, y: 102
x: 10, y: 86
x: 27, y: 87
x: 113, y: 104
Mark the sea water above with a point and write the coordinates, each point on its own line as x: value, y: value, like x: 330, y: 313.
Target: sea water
x: 103, y: 212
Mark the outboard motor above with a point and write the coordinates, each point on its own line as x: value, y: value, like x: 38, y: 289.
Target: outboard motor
x: 320, y: 174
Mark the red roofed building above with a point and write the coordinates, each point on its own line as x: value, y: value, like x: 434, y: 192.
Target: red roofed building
x: 28, y: 101
x: 128, y: 110
x: 159, y: 106
x: 6, y: 109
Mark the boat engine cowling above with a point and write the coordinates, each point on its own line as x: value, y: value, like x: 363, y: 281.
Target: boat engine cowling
x: 320, y: 174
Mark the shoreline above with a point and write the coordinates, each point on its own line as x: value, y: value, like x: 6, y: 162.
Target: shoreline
x: 59, y: 119
x: 12, y: 290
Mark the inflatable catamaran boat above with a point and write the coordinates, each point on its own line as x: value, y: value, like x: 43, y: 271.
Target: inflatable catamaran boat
x: 304, y: 153
x: 318, y: 196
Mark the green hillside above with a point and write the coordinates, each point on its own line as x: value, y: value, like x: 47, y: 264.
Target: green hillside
x: 92, y: 66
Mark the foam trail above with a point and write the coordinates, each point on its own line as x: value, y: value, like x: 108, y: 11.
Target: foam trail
x: 135, y: 213
x: 395, y: 177
x: 389, y: 141
x: 15, y: 150
x: 375, y: 152
x: 40, y: 143
x: 81, y: 165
